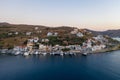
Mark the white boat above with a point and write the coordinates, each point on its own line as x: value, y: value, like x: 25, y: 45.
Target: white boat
x: 85, y: 54
x: 44, y: 53
x: 31, y: 52
x: 3, y: 51
x: 36, y: 52
x: 52, y: 53
x: 17, y: 53
x: 66, y: 53
x: 61, y: 54
x: 39, y: 52
x: 26, y: 54
x: 71, y: 53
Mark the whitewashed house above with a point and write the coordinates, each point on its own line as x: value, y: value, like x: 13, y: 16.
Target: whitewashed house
x: 36, y: 28
x: 75, y: 31
x: 28, y: 33
x: 31, y: 40
x: 30, y: 45
x: 36, y: 39
x: 84, y: 44
x: 42, y: 47
x: 89, y: 44
x: 39, y: 31
x: 16, y: 33
x: 45, y: 40
x: 99, y: 37
x: 20, y: 48
x: 98, y: 47
x: 55, y: 34
x: 103, y: 46
x: 79, y: 34
x: 78, y: 47
x: 10, y: 34
x: 116, y: 38
x: 49, y: 34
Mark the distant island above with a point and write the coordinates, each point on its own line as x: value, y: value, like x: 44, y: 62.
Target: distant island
x: 36, y: 39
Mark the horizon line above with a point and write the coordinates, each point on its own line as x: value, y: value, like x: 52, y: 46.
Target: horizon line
x: 54, y: 26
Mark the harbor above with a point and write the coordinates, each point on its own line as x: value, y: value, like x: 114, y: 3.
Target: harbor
x: 38, y: 52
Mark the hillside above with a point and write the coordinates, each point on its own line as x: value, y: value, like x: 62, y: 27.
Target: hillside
x: 12, y: 34
x: 8, y: 36
x: 6, y: 27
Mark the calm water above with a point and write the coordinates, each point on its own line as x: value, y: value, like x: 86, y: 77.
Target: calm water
x: 104, y: 66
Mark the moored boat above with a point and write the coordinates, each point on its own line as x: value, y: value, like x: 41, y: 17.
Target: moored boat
x: 26, y: 54
x: 85, y: 54
x: 17, y: 53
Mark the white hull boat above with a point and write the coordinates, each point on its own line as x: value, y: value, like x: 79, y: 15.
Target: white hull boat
x: 26, y: 54
x: 85, y: 54
x: 44, y: 53
x: 17, y: 53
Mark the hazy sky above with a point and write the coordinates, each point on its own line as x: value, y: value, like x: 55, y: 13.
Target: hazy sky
x: 92, y: 14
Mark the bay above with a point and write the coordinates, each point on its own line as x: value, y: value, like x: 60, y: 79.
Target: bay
x: 100, y: 66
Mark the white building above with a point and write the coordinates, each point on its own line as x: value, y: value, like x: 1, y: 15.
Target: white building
x: 28, y: 33
x: 49, y: 34
x: 36, y: 28
x: 45, y: 40
x: 42, y: 47
x: 89, y: 43
x: 36, y: 39
x: 116, y: 38
x: 10, y: 34
x: 55, y: 34
x: 75, y: 31
x: 98, y: 47
x: 52, y: 34
x: 31, y: 40
x: 79, y: 34
x: 99, y: 37
x: 39, y: 31
x: 16, y: 33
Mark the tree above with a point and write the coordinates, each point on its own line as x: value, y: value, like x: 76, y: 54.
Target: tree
x: 54, y: 40
x: 66, y: 49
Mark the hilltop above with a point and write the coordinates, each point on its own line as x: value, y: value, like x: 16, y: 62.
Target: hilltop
x: 7, y: 27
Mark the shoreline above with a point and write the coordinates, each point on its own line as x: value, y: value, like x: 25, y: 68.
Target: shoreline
x: 59, y: 53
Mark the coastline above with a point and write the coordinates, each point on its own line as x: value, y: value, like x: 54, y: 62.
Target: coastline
x: 9, y: 52
x: 108, y: 50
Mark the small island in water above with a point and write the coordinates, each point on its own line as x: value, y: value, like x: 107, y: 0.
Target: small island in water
x: 41, y: 40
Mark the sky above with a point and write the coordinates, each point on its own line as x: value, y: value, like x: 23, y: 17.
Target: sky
x: 92, y: 14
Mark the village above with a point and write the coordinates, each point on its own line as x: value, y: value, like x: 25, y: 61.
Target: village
x: 36, y: 45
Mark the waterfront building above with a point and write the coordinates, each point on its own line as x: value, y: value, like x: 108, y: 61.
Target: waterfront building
x: 36, y: 39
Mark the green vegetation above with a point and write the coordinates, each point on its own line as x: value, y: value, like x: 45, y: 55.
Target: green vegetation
x: 1, y: 44
x: 3, y: 35
x: 110, y: 40
x: 53, y: 40
x: 66, y: 49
